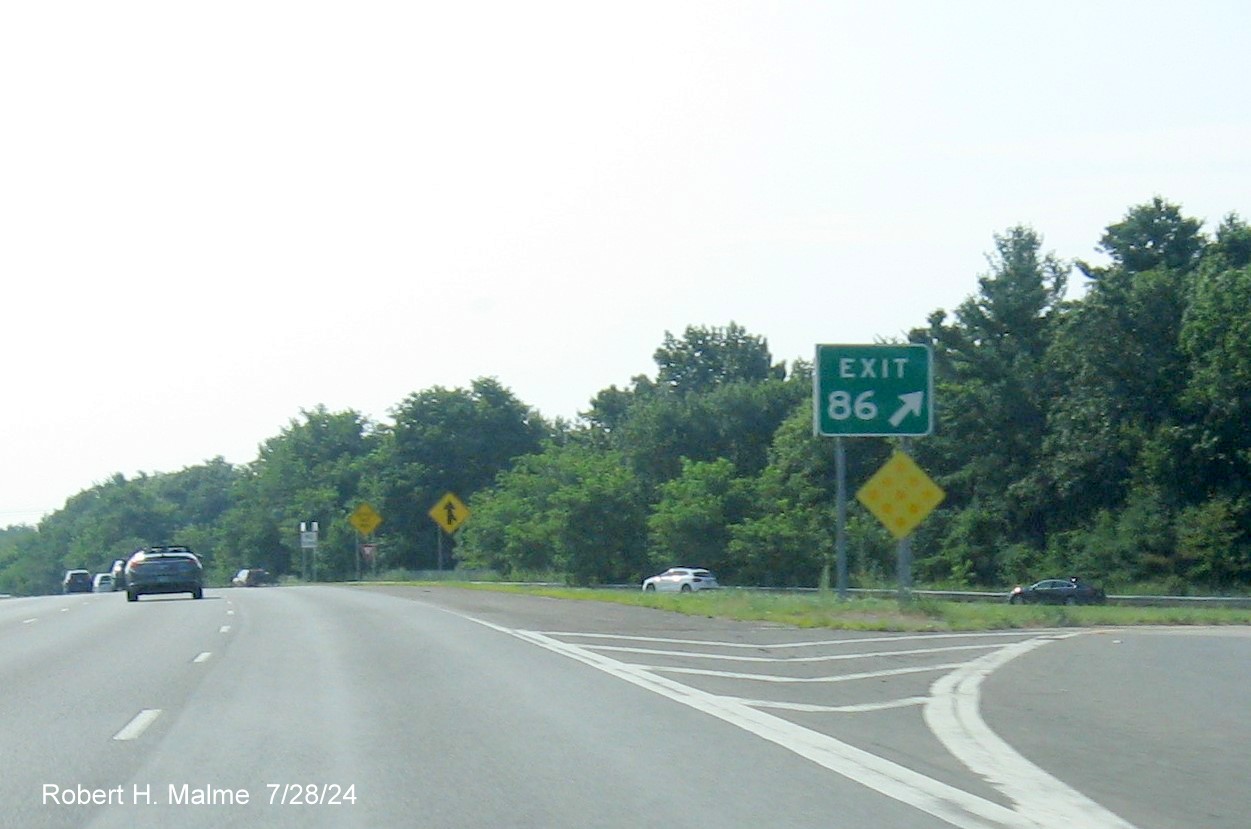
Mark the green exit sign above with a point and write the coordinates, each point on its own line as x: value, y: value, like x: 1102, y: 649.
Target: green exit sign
x: 873, y: 391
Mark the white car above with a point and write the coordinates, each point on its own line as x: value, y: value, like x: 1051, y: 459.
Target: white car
x: 681, y: 580
x: 102, y: 583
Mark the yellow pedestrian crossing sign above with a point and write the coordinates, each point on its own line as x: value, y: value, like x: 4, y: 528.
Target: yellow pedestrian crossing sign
x: 449, y: 513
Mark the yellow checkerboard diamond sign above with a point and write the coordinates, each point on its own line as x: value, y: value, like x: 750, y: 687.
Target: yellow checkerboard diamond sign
x: 900, y: 495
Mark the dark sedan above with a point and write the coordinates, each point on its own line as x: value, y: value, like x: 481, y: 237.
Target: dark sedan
x: 164, y: 570
x: 1057, y: 591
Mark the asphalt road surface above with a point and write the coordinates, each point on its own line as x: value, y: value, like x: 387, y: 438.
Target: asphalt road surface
x: 437, y: 707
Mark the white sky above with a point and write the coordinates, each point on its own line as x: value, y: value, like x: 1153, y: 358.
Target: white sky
x: 214, y: 215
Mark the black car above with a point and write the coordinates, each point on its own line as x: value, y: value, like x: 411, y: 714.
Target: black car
x: 164, y: 570
x: 1057, y: 591
x: 76, y: 581
x: 252, y: 577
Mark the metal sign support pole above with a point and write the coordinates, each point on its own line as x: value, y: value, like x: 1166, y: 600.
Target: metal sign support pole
x: 904, y: 551
x: 840, y: 532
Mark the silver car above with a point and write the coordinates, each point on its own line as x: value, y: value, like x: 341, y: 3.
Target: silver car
x: 681, y: 580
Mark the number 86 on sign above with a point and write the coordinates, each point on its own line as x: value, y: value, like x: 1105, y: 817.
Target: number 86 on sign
x: 873, y: 391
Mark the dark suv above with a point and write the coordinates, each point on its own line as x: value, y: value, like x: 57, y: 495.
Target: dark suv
x: 76, y: 581
x: 164, y: 570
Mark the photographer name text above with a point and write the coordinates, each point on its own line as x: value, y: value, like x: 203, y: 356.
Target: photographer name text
x: 274, y: 794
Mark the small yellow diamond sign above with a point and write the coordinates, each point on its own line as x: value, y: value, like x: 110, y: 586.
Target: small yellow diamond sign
x: 449, y: 513
x: 900, y: 495
x: 365, y: 519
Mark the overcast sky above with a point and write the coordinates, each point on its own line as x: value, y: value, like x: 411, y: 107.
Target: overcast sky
x: 215, y: 215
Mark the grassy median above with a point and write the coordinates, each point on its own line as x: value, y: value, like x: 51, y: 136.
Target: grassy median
x: 817, y: 610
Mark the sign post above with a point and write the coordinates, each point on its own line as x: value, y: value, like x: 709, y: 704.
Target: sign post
x: 901, y: 495
x: 872, y: 391
x: 365, y: 519
x: 308, y: 541
x: 449, y: 513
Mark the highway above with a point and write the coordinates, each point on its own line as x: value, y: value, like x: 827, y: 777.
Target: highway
x: 343, y: 706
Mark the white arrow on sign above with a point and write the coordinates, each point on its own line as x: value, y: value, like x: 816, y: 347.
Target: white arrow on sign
x: 911, y: 405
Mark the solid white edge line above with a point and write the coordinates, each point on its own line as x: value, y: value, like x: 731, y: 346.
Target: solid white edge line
x: 138, y: 725
x: 947, y: 803
x: 836, y: 657
x: 1019, y: 634
x: 953, y: 715
x: 916, y: 669
x: 808, y: 708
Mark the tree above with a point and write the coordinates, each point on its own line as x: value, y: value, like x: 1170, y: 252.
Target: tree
x: 691, y: 523
x: 993, y: 388
x: 1216, y: 339
x: 571, y: 509
x: 707, y: 357
x: 311, y: 471
x: 1151, y: 236
x: 447, y: 440
x: 1119, y: 361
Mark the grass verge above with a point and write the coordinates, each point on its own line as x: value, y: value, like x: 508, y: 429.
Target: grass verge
x: 816, y: 610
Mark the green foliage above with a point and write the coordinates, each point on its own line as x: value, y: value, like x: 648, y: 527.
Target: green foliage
x: 1103, y: 436
x: 445, y: 440
x: 569, y: 509
x: 1151, y: 236
x: 709, y: 357
x: 692, y: 520
x: 1215, y: 549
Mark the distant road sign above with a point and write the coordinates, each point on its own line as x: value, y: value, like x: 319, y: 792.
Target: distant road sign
x: 873, y: 391
x: 365, y: 519
x: 449, y: 513
x: 900, y: 495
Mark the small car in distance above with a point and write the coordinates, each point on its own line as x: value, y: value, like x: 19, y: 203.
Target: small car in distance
x: 102, y: 583
x: 164, y: 570
x: 1057, y: 591
x: 76, y: 581
x: 252, y: 577
x: 681, y: 580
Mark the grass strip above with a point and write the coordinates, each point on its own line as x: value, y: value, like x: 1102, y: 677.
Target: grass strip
x: 818, y: 610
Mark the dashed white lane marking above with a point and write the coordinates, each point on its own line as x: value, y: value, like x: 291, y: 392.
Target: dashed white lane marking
x: 837, y: 657
x: 918, y: 669
x: 65, y: 610
x: 138, y: 725
x: 224, y: 629
x: 952, y: 714
x: 203, y: 657
x: 29, y: 621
